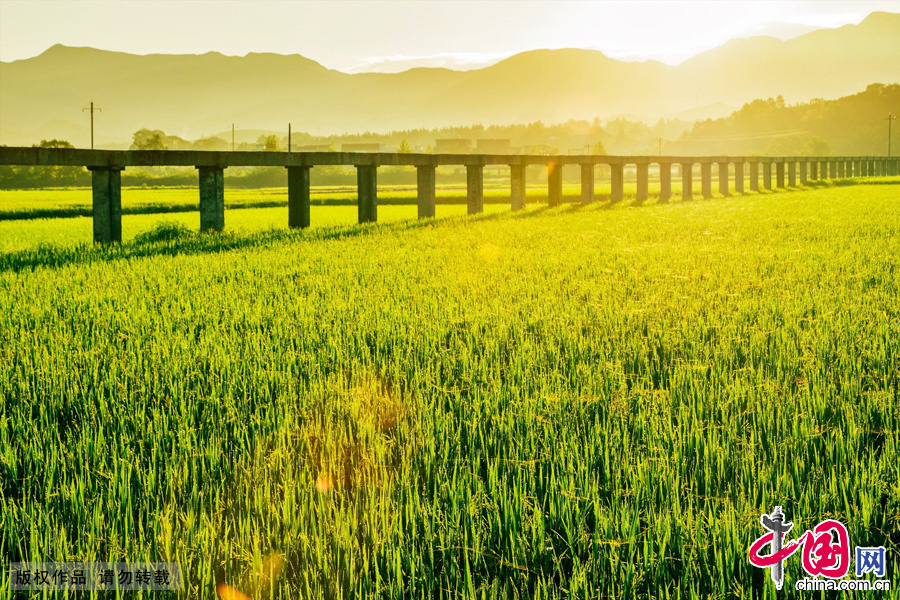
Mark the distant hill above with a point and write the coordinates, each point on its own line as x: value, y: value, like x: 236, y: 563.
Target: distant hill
x: 196, y: 95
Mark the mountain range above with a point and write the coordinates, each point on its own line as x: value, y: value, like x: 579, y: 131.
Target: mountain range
x: 196, y: 95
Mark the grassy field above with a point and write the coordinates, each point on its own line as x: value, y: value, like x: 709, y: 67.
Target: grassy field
x: 73, y: 202
x: 583, y: 402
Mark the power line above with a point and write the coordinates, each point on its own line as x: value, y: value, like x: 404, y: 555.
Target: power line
x: 889, y: 119
x: 92, y: 109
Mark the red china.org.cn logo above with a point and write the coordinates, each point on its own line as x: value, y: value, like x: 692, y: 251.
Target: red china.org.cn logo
x: 825, y: 555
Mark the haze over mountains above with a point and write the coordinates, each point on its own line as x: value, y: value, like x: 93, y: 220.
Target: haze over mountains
x: 196, y: 95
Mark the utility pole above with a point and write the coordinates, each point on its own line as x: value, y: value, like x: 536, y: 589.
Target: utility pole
x: 289, y: 138
x: 889, y: 118
x: 92, y: 109
x: 232, y: 137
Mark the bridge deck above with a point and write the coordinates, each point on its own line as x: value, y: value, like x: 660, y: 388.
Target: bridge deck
x: 195, y: 158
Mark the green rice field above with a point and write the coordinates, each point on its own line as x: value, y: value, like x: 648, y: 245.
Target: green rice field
x: 579, y: 402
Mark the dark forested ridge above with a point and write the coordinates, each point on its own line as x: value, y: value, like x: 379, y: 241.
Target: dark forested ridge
x: 852, y: 125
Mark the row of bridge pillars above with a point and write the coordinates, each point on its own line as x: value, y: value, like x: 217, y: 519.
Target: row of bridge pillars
x: 107, y: 187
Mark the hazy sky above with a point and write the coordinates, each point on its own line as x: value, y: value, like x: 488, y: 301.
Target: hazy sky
x: 394, y: 35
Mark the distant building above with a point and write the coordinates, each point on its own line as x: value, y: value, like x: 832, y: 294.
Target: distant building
x: 360, y: 147
x: 312, y: 148
x: 493, y: 146
x: 453, y: 146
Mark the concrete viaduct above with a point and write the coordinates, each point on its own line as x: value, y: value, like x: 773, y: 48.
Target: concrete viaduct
x: 106, y: 167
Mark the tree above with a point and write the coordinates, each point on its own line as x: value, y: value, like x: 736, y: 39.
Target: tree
x: 210, y: 143
x: 54, y: 143
x: 147, y: 139
x: 405, y: 148
x: 269, y: 143
x: 597, y: 148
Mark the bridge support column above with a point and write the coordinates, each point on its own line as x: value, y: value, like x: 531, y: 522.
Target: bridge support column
x: 706, y: 179
x: 475, y: 188
x: 425, y: 189
x: 587, y: 184
x: 857, y: 168
x: 832, y: 169
x: 687, y: 181
x: 723, y: 178
x: 298, y: 197
x: 840, y: 169
x: 367, y: 191
x: 803, y: 176
x: 517, y: 186
x: 779, y: 174
x: 643, y: 182
x: 212, y: 198
x: 665, y: 182
x: 554, y: 182
x: 814, y: 170
x: 880, y: 168
x: 106, y: 185
x: 767, y: 175
x: 754, y: 176
x: 739, y: 177
x: 792, y: 173
x: 617, y: 183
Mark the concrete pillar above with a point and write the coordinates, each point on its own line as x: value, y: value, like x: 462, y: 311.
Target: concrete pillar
x: 665, y: 182
x: 587, y: 183
x: 643, y: 182
x: 106, y: 184
x: 425, y: 187
x: 739, y: 177
x: 857, y: 168
x: 871, y: 168
x: 814, y: 170
x: 832, y: 170
x: 212, y: 198
x: 723, y: 178
x: 848, y: 168
x: 840, y: 169
x: 803, y: 176
x: 298, y: 197
x: 779, y: 174
x: 617, y: 183
x: 754, y: 176
x: 367, y: 191
x: 823, y: 170
x: 767, y: 175
x: 554, y: 183
x: 687, y: 181
x: 880, y: 168
x: 792, y: 173
x: 475, y: 188
x: 517, y: 186
x: 706, y: 179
